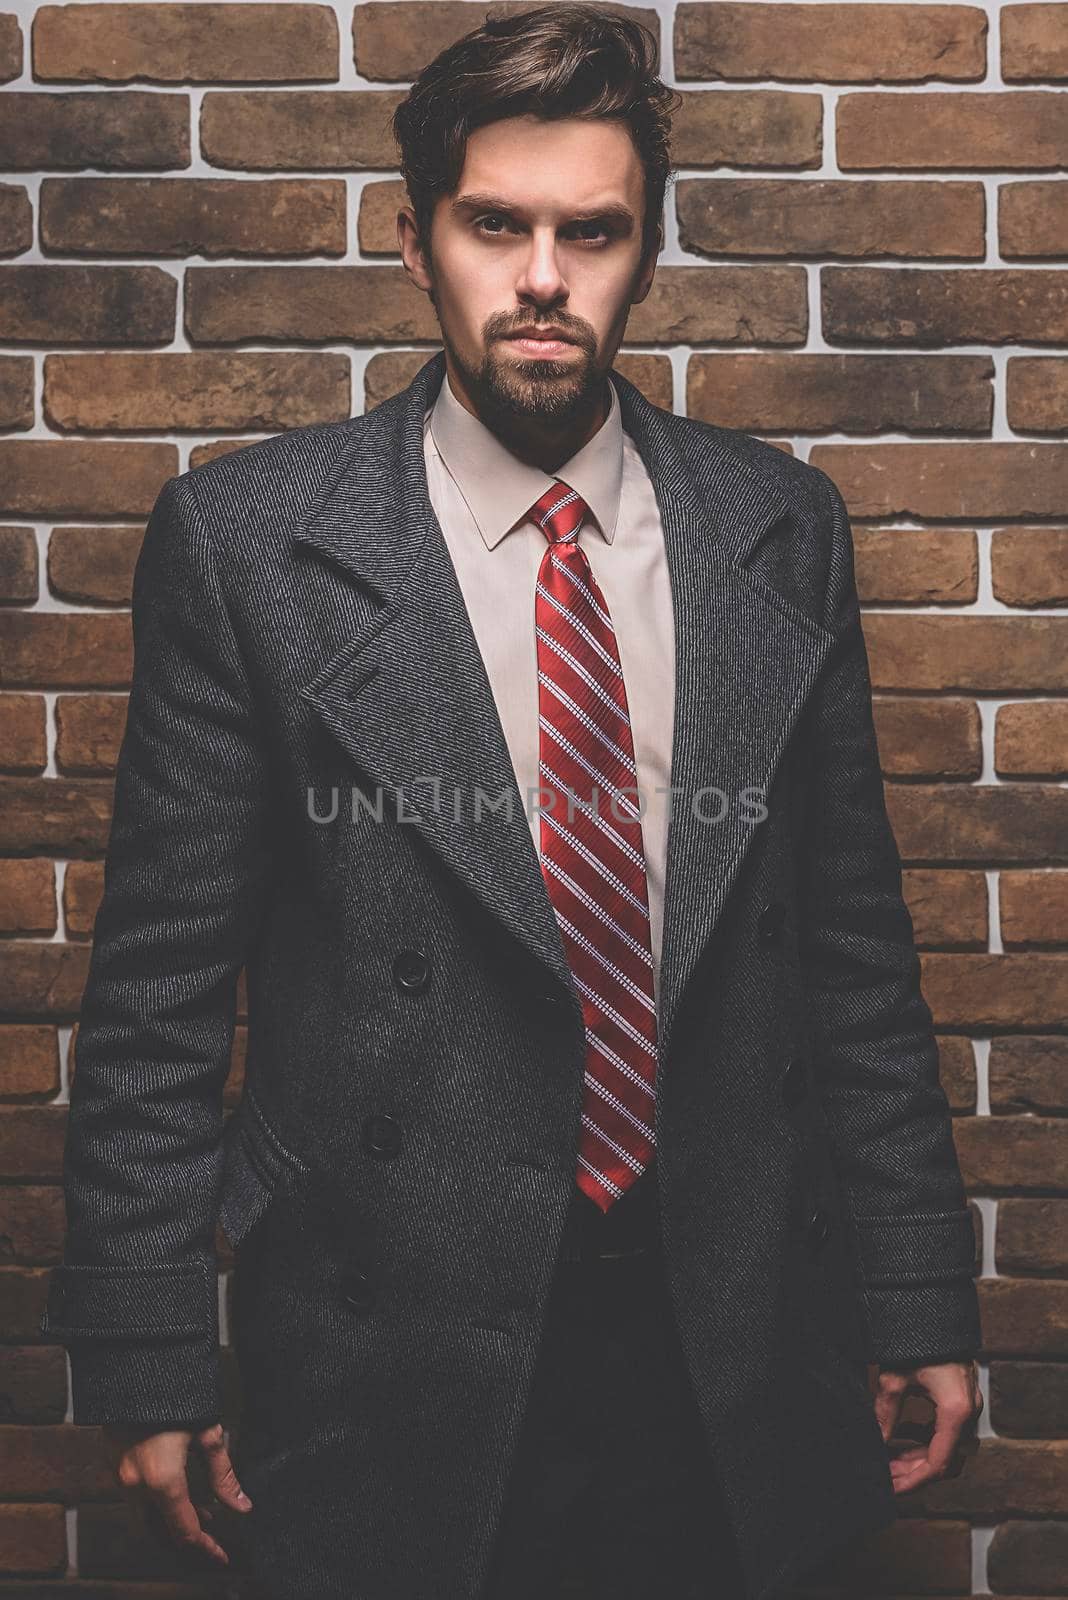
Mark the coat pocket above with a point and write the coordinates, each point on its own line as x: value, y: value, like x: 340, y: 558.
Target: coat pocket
x: 255, y: 1166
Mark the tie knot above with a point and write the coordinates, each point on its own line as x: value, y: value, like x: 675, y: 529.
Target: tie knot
x: 559, y: 512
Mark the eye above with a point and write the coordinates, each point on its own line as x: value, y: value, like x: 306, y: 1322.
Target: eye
x: 490, y: 216
x: 597, y: 226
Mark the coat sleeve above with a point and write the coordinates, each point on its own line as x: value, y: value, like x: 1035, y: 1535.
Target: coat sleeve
x: 876, y: 1057
x: 135, y: 1298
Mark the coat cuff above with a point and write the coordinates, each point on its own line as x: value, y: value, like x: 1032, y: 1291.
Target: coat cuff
x: 906, y: 1323
x: 914, y: 1250
x: 143, y: 1342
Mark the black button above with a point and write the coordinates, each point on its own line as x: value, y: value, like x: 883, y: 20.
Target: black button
x: 356, y: 1289
x: 770, y: 922
x: 819, y: 1226
x: 382, y: 1134
x: 411, y: 969
x: 794, y: 1082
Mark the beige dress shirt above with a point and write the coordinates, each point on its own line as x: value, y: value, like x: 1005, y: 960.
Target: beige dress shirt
x: 481, y: 494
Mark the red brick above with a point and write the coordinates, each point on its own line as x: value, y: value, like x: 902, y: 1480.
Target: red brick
x: 1029, y: 566
x: 983, y: 131
x: 16, y: 219
x: 948, y: 909
x: 1034, y: 43
x: 23, y: 732
x: 29, y: 1061
x: 126, y: 129
x: 916, y: 566
x: 1031, y: 740
x: 18, y: 564
x: 956, y: 481
x: 86, y: 305
x: 93, y: 478
x: 1029, y: 1073
x: 295, y: 130
x: 28, y: 896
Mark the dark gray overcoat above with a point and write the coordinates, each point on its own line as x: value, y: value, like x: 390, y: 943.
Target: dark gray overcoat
x: 395, y: 1179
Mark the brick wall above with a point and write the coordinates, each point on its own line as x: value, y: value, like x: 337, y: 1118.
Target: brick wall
x: 866, y: 260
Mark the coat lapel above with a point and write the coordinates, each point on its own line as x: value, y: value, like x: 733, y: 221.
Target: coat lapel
x: 409, y: 699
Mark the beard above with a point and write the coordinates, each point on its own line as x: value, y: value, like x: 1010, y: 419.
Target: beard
x: 513, y: 390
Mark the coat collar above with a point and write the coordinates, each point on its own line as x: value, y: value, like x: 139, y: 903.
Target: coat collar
x: 408, y: 695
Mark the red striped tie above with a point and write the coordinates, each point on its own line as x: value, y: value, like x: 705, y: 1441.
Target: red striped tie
x: 591, y: 853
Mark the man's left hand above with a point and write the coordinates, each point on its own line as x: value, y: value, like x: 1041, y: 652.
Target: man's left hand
x: 953, y: 1388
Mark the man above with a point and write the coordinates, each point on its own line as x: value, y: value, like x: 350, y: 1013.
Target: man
x: 589, y: 1149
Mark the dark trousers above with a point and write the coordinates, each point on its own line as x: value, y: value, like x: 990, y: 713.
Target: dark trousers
x: 612, y: 1495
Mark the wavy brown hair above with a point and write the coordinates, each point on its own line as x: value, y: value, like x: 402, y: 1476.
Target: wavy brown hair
x: 551, y: 61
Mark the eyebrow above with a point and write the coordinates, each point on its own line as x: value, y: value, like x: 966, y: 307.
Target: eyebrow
x: 613, y: 210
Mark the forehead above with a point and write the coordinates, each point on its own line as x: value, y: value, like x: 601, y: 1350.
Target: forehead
x: 585, y: 161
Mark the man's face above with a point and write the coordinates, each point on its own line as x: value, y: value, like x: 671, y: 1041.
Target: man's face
x: 544, y: 231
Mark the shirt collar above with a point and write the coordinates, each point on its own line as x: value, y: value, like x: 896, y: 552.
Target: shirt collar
x: 500, y: 489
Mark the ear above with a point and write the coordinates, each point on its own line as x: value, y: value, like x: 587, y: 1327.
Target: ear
x: 413, y: 256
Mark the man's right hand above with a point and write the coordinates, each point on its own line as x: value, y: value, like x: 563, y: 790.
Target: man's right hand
x: 150, y: 1465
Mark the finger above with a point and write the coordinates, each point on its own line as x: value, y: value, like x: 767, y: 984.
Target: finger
x: 183, y: 1525
x: 889, y: 1399
x: 220, y: 1469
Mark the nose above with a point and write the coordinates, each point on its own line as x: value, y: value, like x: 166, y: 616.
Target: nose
x: 541, y: 278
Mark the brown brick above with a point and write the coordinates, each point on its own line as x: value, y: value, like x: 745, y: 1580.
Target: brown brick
x: 68, y: 650
x: 89, y: 729
x: 18, y: 564
x: 123, y: 130
x: 956, y: 1069
x: 53, y: 815
x: 41, y: 977
x: 928, y: 738
x: 944, y: 305
x: 29, y: 1061
x: 983, y: 131
x: 948, y: 909
x: 93, y: 566
x: 33, y: 1385
x: 830, y: 217
x: 376, y: 222
x: 68, y: 1463
x: 1036, y: 397
x: 83, y: 886
x: 1028, y: 1555
x: 1028, y: 1399
x: 910, y: 1557
x: 377, y: 305
x: 16, y: 219
x: 917, y: 651
x: 16, y: 392
x: 1031, y: 740
x: 10, y: 47
x: 917, y: 566
x: 172, y: 392
x: 981, y: 823
x: 1033, y: 219
x: 955, y: 481
x: 1034, y: 43
x: 286, y: 130
x: 28, y: 896
x: 86, y: 305
x: 843, y: 43
x: 998, y: 992
x: 23, y: 732
x: 32, y: 1225
x: 194, y: 216
x: 1034, y: 910
x: 1012, y: 1155
x: 810, y: 393
x: 217, y: 447
x: 747, y: 128
x: 33, y: 1538
x: 394, y: 40
x: 1004, y: 1475
x: 186, y: 43
x: 92, y: 478
x: 1029, y: 566
x: 386, y: 374
x: 1029, y: 1073
x: 1032, y: 1238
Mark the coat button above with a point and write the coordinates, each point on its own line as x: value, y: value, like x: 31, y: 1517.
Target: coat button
x: 411, y: 969
x: 382, y: 1134
x: 819, y: 1226
x: 794, y: 1083
x: 770, y: 922
x: 356, y: 1290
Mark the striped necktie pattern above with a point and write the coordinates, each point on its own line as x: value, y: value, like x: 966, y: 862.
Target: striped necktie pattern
x: 592, y: 856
